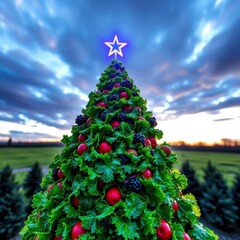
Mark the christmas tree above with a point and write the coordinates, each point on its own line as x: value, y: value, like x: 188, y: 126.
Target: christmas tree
x: 112, y: 180
x: 11, y: 205
x: 236, y: 196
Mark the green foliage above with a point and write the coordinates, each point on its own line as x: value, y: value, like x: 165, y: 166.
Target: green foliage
x: 11, y: 205
x: 217, y: 204
x: 194, y: 186
x: 81, y: 194
x: 236, y: 196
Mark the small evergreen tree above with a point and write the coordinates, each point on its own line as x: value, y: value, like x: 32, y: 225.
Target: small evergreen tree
x: 217, y: 204
x: 194, y: 186
x: 236, y: 195
x: 31, y: 184
x: 11, y: 205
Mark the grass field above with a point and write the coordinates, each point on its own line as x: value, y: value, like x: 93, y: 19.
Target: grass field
x: 227, y: 163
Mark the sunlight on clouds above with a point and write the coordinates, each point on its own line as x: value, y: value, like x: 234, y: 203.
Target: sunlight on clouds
x: 202, y: 127
x: 206, y: 32
x: 74, y: 90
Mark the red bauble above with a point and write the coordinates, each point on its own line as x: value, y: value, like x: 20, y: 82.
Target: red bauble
x: 88, y: 121
x: 141, y: 118
x: 57, y: 238
x: 81, y: 138
x: 153, y: 142
x: 60, y: 185
x: 127, y: 108
x: 82, y: 148
x: 116, y: 85
x: 186, y: 236
x: 77, y: 231
x: 124, y: 95
x: 105, y: 91
x: 147, y: 173
x: 104, y: 147
x: 75, y: 201
x: 138, y: 108
x: 101, y: 104
x: 166, y: 149
x: 60, y: 174
x: 133, y: 151
x: 164, y: 232
x: 36, y: 238
x: 175, y: 206
x: 115, y: 124
x: 49, y: 189
x: 113, y: 196
x: 147, y: 142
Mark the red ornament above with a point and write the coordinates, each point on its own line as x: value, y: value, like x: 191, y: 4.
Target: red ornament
x: 60, y: 174
x: 105, y: 91
x: 60, y: 185
x: 133, y: 151
x: 138, y: 109
x: 147, y: 173
x: 166, y: 149
x: 153, y: 142
x: 50, y: 187
x: 116, y: 85
x: 141, y: 118
x: 57, y: 238
x: 147, y: 142
x: 113, y: 196
x: 127, y: 108
x: 75, y: 201
x: 104, y: 147
x: 175, y: 206
x: 101, y: 104
x: 82, y: 148
x: 77, y: 231
x: 124, y: 95
x: 115, y: 124
x: 186, y: 236
x: 164, y: 232
x: 88, y: 121
x: 81, y: 138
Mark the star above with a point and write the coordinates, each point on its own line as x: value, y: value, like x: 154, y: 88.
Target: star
x: 115, y: 47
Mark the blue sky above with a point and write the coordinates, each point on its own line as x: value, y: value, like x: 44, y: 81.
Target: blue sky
x: 183, y: 55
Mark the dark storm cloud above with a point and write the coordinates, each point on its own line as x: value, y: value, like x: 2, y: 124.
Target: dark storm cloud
x: 161, y: 36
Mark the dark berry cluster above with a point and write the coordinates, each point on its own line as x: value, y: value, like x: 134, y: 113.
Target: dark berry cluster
x: 55, y: 174
x: 134, y: 185
x: 117, y: 65
x: 124, y: 159
x: 104, y: 114
x: 80, y: 119
x: 152, y: 121
x: 105, y: 223
x: 109, y: 86
x: 126, y: 84
x: 152, y: 152
x: 113, y: 97
x: 135, y: 94
x: 139, y: 137
x: 122, y: 117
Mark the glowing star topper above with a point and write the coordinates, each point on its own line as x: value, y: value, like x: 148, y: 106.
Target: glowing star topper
x: 115, y: 47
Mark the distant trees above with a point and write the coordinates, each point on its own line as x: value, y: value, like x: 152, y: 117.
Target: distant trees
x: 216, y: 202
x: 11, y: 205
x: 194, y: 186
x: 31, y: 184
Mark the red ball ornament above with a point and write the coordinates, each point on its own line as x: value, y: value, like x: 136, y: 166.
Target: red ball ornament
x: 75, y: 201
x: 60, y: 174
x: 147, y: 142
x: 113, y: 196
x: 175, y: 206
x: 60, y: 185
x: 166, y: 149
x: 164, y: 232
x: 81, y: 138
x: 115, y: 124
x: 82, y: 148
x: 147, y: 173
x: 127, y: 108
x: 57, y: 238
x: 101, y: 104
x: 77, y: 231
x: 186, y: 236
x: 138, y: 109
x: 105, y: 91
x: 124, y: 95
x: 100, y: 184
x: 104, y: 147
x: 133, y: 151
x: 88, y: 121
x: 116, y: 85
x: 153, y: 142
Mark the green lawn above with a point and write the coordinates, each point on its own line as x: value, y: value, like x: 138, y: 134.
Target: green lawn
x: 227, y: 163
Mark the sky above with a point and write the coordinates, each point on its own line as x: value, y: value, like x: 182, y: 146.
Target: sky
x: 184, y: 56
